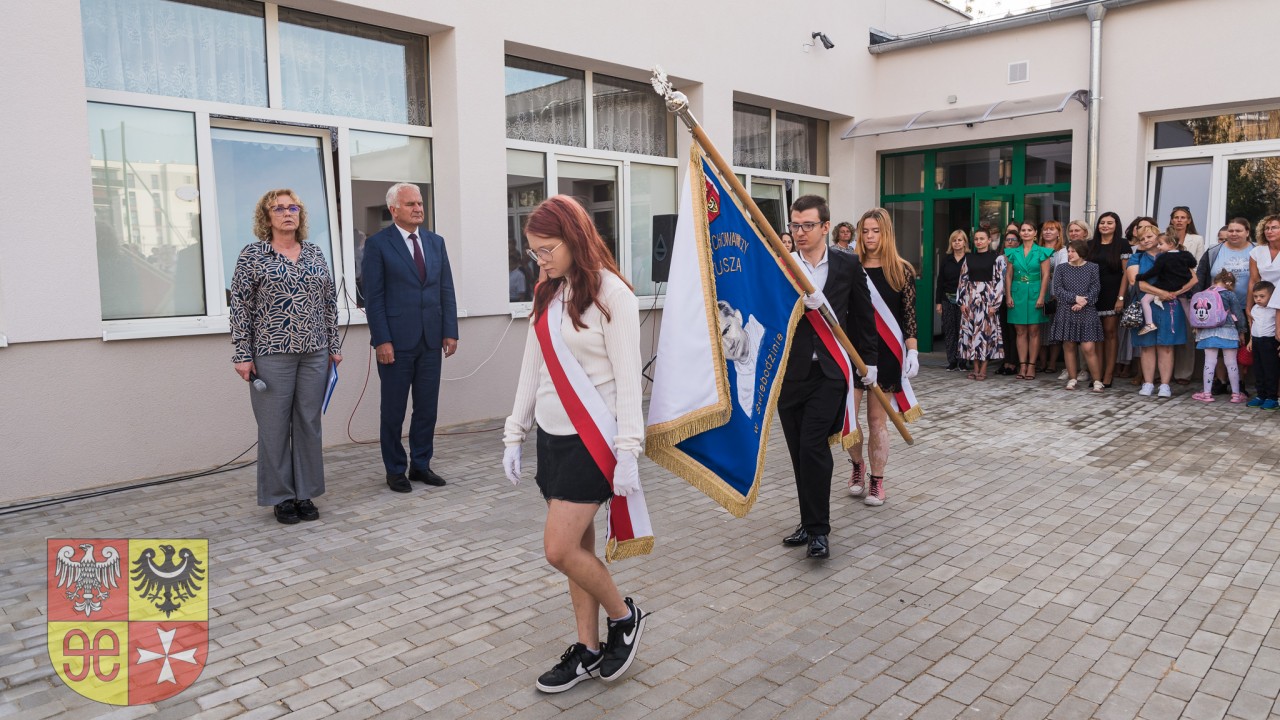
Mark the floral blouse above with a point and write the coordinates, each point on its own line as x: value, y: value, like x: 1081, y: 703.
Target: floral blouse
x: 282, y: 306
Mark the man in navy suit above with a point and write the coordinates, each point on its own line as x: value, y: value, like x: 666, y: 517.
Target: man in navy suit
x: 413, y: 316
x: 811, y: 404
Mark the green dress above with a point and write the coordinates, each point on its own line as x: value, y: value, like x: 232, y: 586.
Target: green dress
x: 1025, y: 287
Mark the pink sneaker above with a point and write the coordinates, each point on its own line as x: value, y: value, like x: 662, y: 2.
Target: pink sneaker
x: 1203, y: 397
x: 875, y: 491
x: 856, y: 486
x: 1238, y: 397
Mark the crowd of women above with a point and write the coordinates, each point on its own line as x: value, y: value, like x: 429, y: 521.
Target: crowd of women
x: 1138, y: 304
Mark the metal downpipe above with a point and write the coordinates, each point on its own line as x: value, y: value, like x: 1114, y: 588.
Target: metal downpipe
x: 1095, y: 13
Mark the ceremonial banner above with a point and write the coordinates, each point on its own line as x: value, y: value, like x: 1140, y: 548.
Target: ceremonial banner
x: 726, y: 330
x: 128, y: 620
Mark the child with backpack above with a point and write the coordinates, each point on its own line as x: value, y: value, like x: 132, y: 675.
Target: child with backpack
x: 1219, y: 322
x: 1171, y: 272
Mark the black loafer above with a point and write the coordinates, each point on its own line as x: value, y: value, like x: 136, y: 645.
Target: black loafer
x: 307, y: 510
x: 398, y: 482
x: 426, y: 476
x: 797, y: 538
x: 818, y: 547
x: 287, y: 513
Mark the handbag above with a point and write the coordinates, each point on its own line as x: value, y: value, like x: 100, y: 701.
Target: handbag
x: 1244, y: 356
x: 1131, y: 316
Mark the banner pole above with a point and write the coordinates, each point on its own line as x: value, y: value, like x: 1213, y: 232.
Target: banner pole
x: 679, y: 104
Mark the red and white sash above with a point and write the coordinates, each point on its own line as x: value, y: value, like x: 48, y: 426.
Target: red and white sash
x: 904, y: 401
x: 849, y: 433
x: 630, y: 533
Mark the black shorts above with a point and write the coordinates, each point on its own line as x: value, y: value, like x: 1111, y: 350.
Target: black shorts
x: 567, y: 472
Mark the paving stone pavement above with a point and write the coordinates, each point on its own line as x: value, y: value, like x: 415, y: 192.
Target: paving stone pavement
x: 1041, y: 554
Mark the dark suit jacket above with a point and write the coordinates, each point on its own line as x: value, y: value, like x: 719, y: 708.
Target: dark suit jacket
x: 850, y: 299
x: 403, y: 309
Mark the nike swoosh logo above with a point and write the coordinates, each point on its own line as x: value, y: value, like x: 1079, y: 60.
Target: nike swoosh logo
x: 629, y: 637
x: 581, y: 670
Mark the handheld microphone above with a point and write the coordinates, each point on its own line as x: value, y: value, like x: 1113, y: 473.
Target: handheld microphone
x: 257, y: 382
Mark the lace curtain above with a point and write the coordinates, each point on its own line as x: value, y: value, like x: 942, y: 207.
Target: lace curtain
x: 630, y: 117
x: 750, y: 136
x: 337, y: 67
x: 797, y: 144
x: 545, y: 102
x: 212, y: 52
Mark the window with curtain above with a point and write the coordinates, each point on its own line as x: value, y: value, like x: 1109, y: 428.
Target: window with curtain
x: 337, y: 67
x: 545, y: 102
x: 630, y: 117
x: 751, y: 133
x: 801, y: 144
x: 207, y: 50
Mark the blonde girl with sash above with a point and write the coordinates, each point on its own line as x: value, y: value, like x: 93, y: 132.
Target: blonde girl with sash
x: 580, y: 382
x: 893, y: 294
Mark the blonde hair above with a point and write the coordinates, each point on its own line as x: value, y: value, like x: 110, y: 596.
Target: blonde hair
x: 262, y: 215
x: 896, y: 270
x: 1088, y: 231
x: 955, y: 234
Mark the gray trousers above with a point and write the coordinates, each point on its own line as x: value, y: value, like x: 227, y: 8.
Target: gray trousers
x: 290, y: 449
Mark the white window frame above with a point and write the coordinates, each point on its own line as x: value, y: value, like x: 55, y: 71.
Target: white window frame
x: 553, y: 154
x: 216, y: 320
x: 1219, y: 155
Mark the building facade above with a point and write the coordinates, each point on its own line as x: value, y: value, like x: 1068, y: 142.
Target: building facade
x: 144, y: 140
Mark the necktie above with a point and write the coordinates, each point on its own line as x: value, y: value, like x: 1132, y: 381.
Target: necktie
x: 418, y: 259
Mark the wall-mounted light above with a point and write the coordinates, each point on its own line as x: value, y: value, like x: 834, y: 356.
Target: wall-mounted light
x: 815, y: 38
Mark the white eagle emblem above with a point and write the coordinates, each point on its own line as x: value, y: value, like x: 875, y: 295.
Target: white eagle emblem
x: 88, y: 580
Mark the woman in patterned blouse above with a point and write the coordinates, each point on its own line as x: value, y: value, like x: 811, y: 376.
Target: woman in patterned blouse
x: 284, y: 326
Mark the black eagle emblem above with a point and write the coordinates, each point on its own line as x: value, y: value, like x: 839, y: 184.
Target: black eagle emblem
x: 174, y: 581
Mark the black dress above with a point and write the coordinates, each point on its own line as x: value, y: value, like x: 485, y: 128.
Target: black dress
x: 1110, y: 259
x: 902, y: 303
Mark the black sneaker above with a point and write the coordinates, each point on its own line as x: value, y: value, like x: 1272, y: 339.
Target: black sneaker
x: 620, y: 648
x: 576, y: 665
x: 307, y: 510
x: 287, y: 512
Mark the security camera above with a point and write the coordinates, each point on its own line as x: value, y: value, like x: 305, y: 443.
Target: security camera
x: 826, y: 41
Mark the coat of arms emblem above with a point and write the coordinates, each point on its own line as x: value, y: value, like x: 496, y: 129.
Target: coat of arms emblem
x: 128, y: 619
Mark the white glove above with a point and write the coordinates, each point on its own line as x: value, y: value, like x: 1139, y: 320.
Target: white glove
x: 911, y: 365
x: 511, y: 463
x: 870, y: 376
x: 626, y: 476
x: 815, y: 300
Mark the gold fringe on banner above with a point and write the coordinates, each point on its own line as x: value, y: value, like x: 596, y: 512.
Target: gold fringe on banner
x: 914, y: 414
x: 636, y: 547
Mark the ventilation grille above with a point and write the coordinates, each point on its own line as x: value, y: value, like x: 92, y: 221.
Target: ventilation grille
x: 1018, y: 72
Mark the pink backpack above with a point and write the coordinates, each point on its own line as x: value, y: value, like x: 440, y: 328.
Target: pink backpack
x: 1208, y: 310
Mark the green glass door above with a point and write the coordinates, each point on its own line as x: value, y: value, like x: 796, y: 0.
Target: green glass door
x: 994, y: 210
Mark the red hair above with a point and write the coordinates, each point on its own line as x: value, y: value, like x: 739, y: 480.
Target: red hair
x: 562, y: 217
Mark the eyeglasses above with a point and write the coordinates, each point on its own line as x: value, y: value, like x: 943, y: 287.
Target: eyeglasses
x: 282, y: 209
x: 543, y: 255
x: 803, y: 227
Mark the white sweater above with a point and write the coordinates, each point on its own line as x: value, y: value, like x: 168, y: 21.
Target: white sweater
x: 609, y: 352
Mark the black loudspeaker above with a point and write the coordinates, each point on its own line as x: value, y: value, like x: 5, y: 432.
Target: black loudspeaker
x: 664, y: 235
